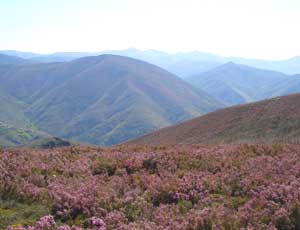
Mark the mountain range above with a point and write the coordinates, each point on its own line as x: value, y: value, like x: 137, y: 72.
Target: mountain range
x: 109, y: 99
x: 102, y: 99
x: 182, y: 64
x: 276, y: 120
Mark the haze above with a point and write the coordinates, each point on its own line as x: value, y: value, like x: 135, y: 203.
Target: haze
x: 267, y: 29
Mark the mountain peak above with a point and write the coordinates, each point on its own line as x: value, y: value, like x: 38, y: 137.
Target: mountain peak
x: 230, y: 64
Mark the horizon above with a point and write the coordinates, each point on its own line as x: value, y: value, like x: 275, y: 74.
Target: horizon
x: 250, y: 29
x: 102, y: 52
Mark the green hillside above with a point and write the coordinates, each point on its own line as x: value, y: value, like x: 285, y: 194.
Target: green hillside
x: 11, y: 136
x: 12, y: 110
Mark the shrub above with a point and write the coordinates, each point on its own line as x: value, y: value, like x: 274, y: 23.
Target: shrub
x: 282, y: 221
x: 295, y: 217
x: 150, y: 165
x: 164, y: 197
x: 104, y: 166
x: 184, y: 206
x: 132, y: 211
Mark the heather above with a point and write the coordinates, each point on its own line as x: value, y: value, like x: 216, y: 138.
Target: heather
x: 192, y: 187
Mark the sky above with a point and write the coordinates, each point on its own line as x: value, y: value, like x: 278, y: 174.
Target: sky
x: 265, y: 29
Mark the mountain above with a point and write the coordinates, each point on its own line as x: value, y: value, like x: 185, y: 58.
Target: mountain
x: 275, y: 120
x: 236, y: 84
x: 104, y: 99
x: 181, y: 64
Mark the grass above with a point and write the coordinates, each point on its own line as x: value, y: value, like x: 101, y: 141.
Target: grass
x: 18, y: 213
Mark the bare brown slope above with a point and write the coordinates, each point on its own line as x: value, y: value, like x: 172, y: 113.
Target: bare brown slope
x: 274, y: 120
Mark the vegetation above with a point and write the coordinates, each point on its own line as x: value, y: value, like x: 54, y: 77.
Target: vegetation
x: 11, y: 136
x: 128, y: 187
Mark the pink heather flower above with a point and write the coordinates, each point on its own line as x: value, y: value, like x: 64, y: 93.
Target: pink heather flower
x: 45, y: 223
x: 97, y: 223
x: 64, y: 227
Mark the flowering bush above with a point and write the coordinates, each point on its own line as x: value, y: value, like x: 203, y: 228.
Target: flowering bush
x: 181, y: 187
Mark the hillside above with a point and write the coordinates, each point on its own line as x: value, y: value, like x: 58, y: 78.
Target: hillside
x: 12, y: 110
x: 104, y: 99
x: 236, y: 84
x: 11, y: 136
x: 16, y: 130
x: 272, y: 121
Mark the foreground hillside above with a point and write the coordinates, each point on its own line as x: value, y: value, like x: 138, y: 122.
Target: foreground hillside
x: 271, y: 121
x: 178, y: 188
x: 102, y: 100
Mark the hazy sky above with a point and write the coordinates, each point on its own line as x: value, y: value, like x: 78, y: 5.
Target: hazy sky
x: 249, y: 28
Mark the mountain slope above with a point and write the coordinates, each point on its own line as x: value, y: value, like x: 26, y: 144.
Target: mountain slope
x: 16, y: 130
x: 236, y: 84
x: 274, y: 120
x: 104, y: 99
x: 12, y: 110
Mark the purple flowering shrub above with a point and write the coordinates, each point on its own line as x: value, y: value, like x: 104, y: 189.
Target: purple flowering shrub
x: 174, y: 188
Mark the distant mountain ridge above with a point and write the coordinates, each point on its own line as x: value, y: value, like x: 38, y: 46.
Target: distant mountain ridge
x: 275, y: 120
x: 236, y: 84
x: 183, y: 64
